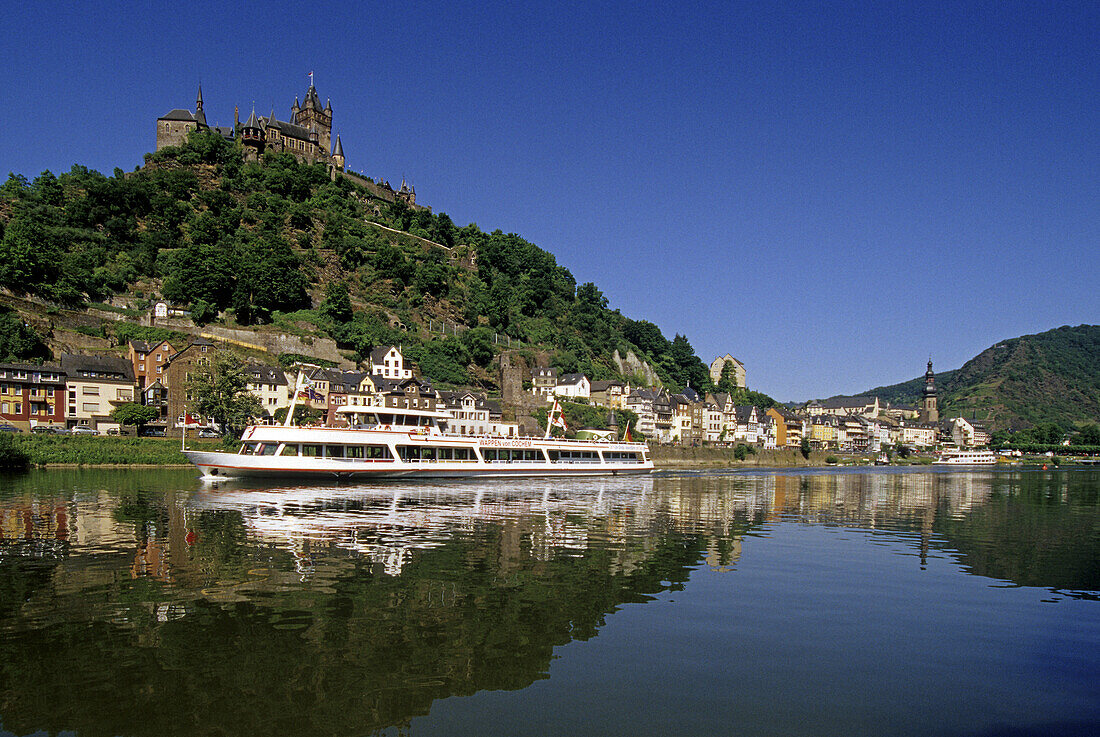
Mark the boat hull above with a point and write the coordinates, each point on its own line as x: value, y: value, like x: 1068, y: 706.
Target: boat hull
x: 233, y: 465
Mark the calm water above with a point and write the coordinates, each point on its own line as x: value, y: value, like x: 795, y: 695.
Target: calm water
x: 816, y: 603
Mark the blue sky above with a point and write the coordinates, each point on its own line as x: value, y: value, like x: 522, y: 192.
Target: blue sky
x: 831, y: 192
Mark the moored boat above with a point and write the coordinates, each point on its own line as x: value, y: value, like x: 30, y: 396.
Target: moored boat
x: 387, y: 442
x: 966, y: 458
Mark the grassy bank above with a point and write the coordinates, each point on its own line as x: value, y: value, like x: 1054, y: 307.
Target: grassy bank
x: 45, y: 450
x: 675, y: 456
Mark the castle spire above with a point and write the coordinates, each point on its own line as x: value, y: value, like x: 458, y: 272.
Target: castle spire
x: 339, y: 149
x: 200, y: 116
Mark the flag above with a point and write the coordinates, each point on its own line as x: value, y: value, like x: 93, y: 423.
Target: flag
x: 558, y: 421
x: 315, y: 396
x: 189, y: 420
x: 628, y: 438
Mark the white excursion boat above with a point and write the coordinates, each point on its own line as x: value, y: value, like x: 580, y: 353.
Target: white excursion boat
x: 389, y: 442
x: 966, y: 458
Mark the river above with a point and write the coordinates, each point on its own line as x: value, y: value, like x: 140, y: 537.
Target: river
x: 800, y: 602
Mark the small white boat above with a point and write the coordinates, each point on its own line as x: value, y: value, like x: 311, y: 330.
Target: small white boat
x: 966, y: 458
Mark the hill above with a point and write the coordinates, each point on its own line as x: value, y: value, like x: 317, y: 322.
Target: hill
x: 304, y: 250
x: 1021, y: 382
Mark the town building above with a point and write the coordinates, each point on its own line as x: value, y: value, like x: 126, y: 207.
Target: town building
x: 738, y: 369
x: 32, y: 395
x: 573, y: 386
x: 841, y: 406
x: 182, y: 366
x: 149, y: 360
x: 95, y: 386
x: 389, y: 363
x: 610, y: 394
x: 269, y: 385
x: 544, y: 380
x: 968, y: 433
x: 788, y: 427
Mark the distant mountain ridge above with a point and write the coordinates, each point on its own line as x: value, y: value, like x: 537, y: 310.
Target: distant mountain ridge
x: 1020, y: 382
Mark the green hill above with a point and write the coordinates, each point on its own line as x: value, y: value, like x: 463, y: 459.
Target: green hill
x: 1022, y: 382
x: 289, y: 246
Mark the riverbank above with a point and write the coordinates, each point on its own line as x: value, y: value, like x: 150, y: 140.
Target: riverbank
x: 61, y: 451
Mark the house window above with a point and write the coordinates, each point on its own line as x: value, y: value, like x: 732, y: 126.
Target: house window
x: 92, y: 391
x: 91, y: 406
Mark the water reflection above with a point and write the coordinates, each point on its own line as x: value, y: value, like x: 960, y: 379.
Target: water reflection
x: 144, y: 604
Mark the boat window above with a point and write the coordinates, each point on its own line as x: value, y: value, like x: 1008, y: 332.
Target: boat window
x: 313, y: 451
x: 334, y: 451
x: 248, y: 449
x: 289, y: 449
x: 385, y: 418
x: 489, y: 454
x: 446, y: 454
x: 267, y: 449
x: 464, y: 454
x: 354, y: 451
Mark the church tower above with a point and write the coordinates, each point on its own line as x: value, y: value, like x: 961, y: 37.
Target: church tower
x: 929, y: 413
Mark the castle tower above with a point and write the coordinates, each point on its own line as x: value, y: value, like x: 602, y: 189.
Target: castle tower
x: 252, y: 138
x: 338, y: 155
x: 929, y: 412
x: 313, y: 117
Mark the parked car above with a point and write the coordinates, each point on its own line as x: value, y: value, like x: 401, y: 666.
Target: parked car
x: 83, y: 430
x: 151, y: 432
x: 49, y: 430
x: 6, y: 427
x: 209, y: 432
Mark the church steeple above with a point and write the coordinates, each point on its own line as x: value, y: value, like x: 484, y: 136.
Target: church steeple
x: 929, y: 411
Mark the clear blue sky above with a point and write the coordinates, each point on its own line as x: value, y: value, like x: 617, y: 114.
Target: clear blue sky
x: 831, y: 192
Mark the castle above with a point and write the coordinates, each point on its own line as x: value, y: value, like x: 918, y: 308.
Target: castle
x: 307, y: 135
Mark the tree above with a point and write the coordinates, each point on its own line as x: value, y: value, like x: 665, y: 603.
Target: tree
x: 134, y: 414
x: 337, y: 302
x: 220, y: 392
x: 804, y: 447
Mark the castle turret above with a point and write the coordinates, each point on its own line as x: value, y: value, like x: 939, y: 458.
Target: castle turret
x: 338, y: 155
x: 312, y: 117
x: 200, y: 116
x: 252, y: 137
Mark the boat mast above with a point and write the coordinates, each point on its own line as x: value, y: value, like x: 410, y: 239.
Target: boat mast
x: 294, y: 400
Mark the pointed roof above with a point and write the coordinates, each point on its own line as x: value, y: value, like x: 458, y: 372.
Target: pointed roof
x: 328, y: 105
x: 338, y: 150
x: 252, y: 122
x: 198, y: 100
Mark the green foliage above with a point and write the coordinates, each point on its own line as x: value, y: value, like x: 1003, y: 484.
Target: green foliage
x: 286, y: 360
x: 336, y: 305
x: 832, y: 460
x: 202, y: 312
x: 18, y: 341
x: 220, y: 234
x: 127, y: 331
x: 13, y: 457
x: 220, y: 391
x: 1050, y: 377
x: 101, y: 451
x: 804, y: 447
x: 134, y: 414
